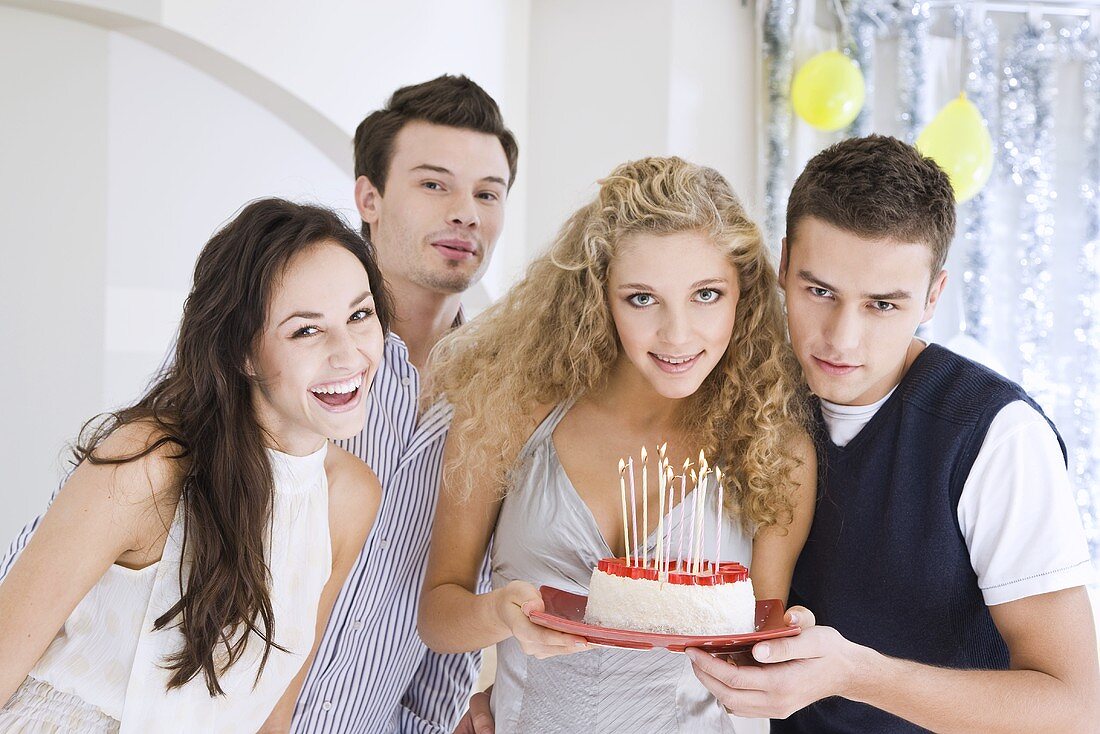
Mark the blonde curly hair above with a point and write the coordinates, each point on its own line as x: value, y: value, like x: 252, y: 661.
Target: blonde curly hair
x: 552, y: 339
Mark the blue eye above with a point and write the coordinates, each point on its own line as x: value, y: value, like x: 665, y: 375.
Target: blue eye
x: 640, y: 300
x: 819, y: 292
x: 883, y: 306
x: 707, y: 295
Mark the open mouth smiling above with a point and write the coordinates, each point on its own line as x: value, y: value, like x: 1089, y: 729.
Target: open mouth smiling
x: 339, y: 395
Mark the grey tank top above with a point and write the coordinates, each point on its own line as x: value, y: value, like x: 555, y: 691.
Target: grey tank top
x: 545, y: 534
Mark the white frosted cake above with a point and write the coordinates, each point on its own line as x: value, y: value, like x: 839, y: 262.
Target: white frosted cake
x: 632, y: 598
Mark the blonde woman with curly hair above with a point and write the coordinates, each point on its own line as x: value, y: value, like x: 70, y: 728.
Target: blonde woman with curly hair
x: 654, y: 317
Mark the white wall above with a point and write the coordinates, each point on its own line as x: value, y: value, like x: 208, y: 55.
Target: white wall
x: 186, y: 152
x: 53, y: 210
x: 712, y: 90
x: 621, y: 79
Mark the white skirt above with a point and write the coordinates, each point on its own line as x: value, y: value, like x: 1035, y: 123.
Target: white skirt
x: 39, y: 708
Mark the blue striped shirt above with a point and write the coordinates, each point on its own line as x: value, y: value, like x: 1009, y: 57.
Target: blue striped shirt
x: 372, y: 672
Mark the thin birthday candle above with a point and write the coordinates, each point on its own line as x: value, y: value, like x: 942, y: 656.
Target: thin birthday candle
x: 622, y: 491
x: 645, y: 509
x: 709, y: 470
x: 683, y: 525
x: 662, y: 547
x: 660, y: 515
x: 721, y: 517
x: 702, y: 506
x: 694, y: 521
x: 633, y: 509
x: 701, y: 555
x: 703, y: 522
x: 695, y: 518
x: 670, y: 483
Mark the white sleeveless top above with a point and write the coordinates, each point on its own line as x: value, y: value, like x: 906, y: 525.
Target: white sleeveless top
x: 109, y: 656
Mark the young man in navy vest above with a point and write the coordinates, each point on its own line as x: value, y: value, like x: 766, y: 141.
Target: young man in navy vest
x: 946, y: 565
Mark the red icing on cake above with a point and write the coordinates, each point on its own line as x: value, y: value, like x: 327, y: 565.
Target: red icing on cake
x: 728, y: 572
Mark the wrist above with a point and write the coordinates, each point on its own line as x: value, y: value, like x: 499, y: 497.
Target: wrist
x: 865, y: 670
x: 501, y: 599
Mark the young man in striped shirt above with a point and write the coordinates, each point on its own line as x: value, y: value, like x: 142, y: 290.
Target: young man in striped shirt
x: 433, y: 170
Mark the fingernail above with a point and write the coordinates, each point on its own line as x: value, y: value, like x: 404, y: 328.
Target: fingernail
x: 526, y: 608
x: 580, y: 644
x: 762, y: 651
x: 793, y: 617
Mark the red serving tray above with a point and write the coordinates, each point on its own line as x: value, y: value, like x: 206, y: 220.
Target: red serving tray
x: 565, y: 613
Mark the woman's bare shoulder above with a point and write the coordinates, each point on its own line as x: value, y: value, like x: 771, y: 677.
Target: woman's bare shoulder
x: 346, y: 472
x: 354, y: 496
x: 134, y: 474
x: 141, y: 459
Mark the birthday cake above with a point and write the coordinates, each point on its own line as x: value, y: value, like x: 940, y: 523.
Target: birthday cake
x: 651, y: 592
x: 685, y: 599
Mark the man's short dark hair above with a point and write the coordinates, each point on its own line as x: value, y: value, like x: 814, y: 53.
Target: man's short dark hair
x: 877, y: 187
x: 454, y: 101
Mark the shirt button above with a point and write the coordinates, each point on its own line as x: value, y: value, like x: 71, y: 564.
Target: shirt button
x: 358, y: 625
x: 383, y: 543
x: 406, y: 381
x: 327, y: 705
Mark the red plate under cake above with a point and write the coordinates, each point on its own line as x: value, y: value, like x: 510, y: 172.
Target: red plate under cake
x: 565, y: 612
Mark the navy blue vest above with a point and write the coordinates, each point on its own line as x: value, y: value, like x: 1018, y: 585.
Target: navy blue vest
x: 885, y: 562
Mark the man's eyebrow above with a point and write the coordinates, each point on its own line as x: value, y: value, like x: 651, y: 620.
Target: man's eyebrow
x: 433, y: 169
x: 896, y: 295
x: 448, y: 172
x: 809, y: 277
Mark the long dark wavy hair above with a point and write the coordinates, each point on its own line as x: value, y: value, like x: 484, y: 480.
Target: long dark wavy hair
x: 201, y: 407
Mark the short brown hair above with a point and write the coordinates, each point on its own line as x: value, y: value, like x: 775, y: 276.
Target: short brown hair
x: 877, y: 187
x: 454, y: 101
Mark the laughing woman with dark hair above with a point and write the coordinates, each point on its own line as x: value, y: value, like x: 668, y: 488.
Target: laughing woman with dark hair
x: 181, y: 577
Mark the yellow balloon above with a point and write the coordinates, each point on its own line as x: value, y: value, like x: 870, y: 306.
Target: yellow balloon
x: 827, y: 91
x: 958, y: 140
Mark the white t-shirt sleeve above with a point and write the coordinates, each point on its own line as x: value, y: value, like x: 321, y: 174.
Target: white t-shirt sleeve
x: 1017, y: 512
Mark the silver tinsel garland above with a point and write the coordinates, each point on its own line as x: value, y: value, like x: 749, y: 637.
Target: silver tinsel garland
x: 979, y: 34
x: 912, y: 53
x: 865, y: 19
x: 913, y: 30
x: 778, y: 61
x: 1027, y: 119
x: 861, y: 48
x: 1086, y: 398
